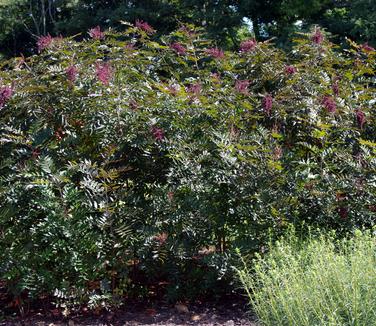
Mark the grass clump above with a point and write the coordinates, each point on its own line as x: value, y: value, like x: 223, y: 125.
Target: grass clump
x: 317, y: 281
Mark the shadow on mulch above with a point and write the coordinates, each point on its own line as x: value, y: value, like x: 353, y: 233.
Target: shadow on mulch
x: 228, y: 311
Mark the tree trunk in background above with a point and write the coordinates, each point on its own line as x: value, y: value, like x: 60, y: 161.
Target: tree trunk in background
x: 256, y: 28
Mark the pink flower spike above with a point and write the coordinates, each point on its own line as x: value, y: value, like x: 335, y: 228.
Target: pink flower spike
x: 335, y: 88
x: 129, y: 47
x: 216, y: 53
x: 360, y: 118
x: 6, y: 93
x: 44, y: 42
x: 178, y: 48
x: 248, y: 45
x: 71, y: 73
x: 158, y: 133
x: 144, y: 26
x: 241, y: 86
x: 290, y: 70
x: 329, y: 104
x: 195, y: 89
x: 103, y: 72
x: 367, y: 48
x: 173, y: 90
x: 317, y: 37
x: 267, y: 103
x: 96, y: 33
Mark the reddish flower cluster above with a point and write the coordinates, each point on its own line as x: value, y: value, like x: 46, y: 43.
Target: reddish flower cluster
x: 248, y: 45
x: 144, y: 26
x: 360, y: 118
x: 329, y: 104
x: 335, y: 88
x: 44, y: 42
x: 343, y: 212
x: 170, y: 195
x: 178, y: 48
x: 35, y: 153
x: 267, y: 104
x: 133, y: 104
x: 71, y: 73
x: 59, y: 134
x: 367, y: 48
x: 96, y: 33
x: 161, y: 238
x: 103, y: 72
x: 195, y: 89
x: 317, y: 37
x: 277, y: 152
x: 215, y: 53
x: 241, y: 86
x: 5, y: 94
x: 158, y: 133
x: 129, y: 47
x: 290, y: 70
x: 173, y: 90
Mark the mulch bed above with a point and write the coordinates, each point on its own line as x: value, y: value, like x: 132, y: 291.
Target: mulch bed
x: 227, y: 312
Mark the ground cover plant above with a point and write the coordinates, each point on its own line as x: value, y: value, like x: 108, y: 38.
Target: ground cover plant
x: 127, y: 162
x: 317, y: 281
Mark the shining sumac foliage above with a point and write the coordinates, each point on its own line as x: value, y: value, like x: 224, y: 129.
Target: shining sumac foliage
x: 126, y: 161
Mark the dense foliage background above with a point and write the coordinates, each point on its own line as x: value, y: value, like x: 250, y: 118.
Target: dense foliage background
x: 226, y: 21
x: 128, y: 162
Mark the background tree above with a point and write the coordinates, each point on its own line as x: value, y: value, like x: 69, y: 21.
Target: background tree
x: 355, y: 19
x: 21, y: 21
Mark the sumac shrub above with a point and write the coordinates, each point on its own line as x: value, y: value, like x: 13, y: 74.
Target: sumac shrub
x: 126, y: 162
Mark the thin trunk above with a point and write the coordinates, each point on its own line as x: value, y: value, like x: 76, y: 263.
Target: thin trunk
x: 51, y: 11
x: 36, y: 25
x: 256, y: 27
x: 43, y: 14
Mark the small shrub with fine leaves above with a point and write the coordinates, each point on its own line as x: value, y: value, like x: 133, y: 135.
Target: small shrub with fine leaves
x: 319, y: 281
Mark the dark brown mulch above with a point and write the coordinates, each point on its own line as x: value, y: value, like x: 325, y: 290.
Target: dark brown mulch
x: 229, y: 312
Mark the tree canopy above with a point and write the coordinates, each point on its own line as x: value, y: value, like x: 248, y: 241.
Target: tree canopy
x: 21, y: 21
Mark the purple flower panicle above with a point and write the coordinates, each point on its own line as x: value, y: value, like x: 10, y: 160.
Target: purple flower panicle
x: 173, y: 90
x: 44, y: 42
x: 103, y: 72
x: 267, y: 104
x: 195, y: 89
x: 71, y: 73
x: 144, y: 26
x: 158, y: 133
x: 241, y: 86
x: 290, y: 70
x: 248, y: 45
x: 360, y: 118
x: 178, y: 48
x: 216, y: 53
x: 335, y: 88
x: 6, y: 93
x: 133, y: 104
x: 367, y: 48
x: 317, y: 37
x: 129, y: 46
x: 343, y: 212
x: 329, y: 104
x: 96, y: 33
